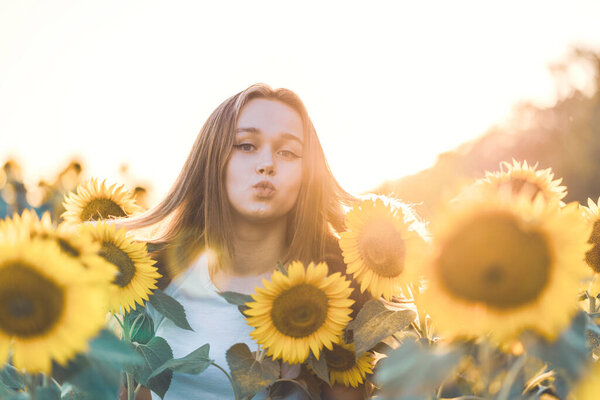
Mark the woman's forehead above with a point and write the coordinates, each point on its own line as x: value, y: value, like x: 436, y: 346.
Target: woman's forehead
x: 266, y: 116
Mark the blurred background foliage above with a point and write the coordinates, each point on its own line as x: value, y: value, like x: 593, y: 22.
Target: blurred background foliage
x: 48, y: 195
x: 565, y: 137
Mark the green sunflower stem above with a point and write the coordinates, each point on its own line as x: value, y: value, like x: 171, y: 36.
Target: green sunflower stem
x: 125, y: 333
x: 592, y: 300
x: 510, y: 378
x: 31, y: 384
x: 130, y: 389
x: 230, y: 380
x: 486, y: 362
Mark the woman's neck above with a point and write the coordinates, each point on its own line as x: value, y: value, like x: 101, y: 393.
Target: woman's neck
x: 256, y: 247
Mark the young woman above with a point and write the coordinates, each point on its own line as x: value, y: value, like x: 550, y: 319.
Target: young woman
x: 255, y: 190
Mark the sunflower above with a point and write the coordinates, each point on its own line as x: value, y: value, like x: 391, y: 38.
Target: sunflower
x: 521, y: 177
x: 48, y: 312
x: 300, y: 312
x: 95, y: 201
x: 79, y: 246
x: 344, y: 367
x: 502, y: 264
x: 592, y: 257
x: 589, y: 386
x: 136, y: 276
x: 381, y: 247
x: 24, y: 226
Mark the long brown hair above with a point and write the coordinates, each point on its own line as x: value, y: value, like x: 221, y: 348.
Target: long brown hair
x: 196, y: 213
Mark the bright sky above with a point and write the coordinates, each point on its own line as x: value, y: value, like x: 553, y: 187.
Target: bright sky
x: 388, y: 85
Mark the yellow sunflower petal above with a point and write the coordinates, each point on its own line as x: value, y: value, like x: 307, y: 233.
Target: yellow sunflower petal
x: 45, y: 293
x: 381, y: 247
x: 503, y: 264
x: 298, y: 318
x: 136, y: 275
x: 526, y: 179
x: 344, y: 367
x: 95, y: 201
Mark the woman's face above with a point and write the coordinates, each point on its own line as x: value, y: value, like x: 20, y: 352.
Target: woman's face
x: 264, y: 172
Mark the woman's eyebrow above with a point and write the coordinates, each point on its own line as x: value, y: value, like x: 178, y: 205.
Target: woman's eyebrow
x: 249, y: 130
x: 255, y: 131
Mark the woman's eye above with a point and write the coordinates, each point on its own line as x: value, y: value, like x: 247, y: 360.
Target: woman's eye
x: 288, y: 154
x: 244, y: 146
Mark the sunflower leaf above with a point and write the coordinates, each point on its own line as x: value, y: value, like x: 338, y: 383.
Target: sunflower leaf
x: 91, y: 378
x: 375, y: 322
x: 10, y: 378
x: 194, y: 363
x: 97, y: 374
x: 170, y: 308
x: 319, y: 367
x: 155, y: 353
x: 290, y: 387
x: 48, y: 393
x: 235, y: 298
x: 414, y: 370
x: 19, y: 396
x: 249, y: 375
x: 139, y: 325
x: 281, y: 268
x: 108, y: 348
x: 569, y: 353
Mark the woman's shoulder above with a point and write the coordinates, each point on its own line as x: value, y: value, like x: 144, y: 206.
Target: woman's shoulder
x: 171, y: 263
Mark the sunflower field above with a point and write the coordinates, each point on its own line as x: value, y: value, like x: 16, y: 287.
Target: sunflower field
x: 496, y: 297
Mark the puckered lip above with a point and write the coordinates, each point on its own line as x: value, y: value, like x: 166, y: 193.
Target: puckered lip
x: 264, y: 185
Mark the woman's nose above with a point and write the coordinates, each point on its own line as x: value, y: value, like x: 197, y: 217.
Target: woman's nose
x: 266, y: 166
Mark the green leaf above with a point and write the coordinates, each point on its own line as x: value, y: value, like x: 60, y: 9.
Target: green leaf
x: 281, y: 268
x: 170, y: 308
x: 91, y: 378
x: 194, y: 363
x: 69, y: 392
x: 249, y: 375
x: 319, y: 367
x: 235, y: 298
x: 413, y: 370
x: 97, y: 374
x: 11, y: 378
x: 155, y: 353
x: 19, y: 396
x: 375, y: 322
x: 569, y: 353
x: 312, y: 383
x: 108, y: 348
x: 47, y: 393
x: 290, y: 387
x: 139, y: 325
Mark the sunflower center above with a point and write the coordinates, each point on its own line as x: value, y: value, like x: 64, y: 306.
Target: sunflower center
x: 495, y: 261
x: 519, y: 184
x: 592, y: 257
x: 30, y: 304
x: 339, y: 359
x: 67, y: 248
x: 300, y: 310
x: 382, y: 246
x: 98, y: 209
x: 114, y: 255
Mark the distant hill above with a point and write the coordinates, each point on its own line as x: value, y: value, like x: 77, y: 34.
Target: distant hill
x: 565, y: 137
